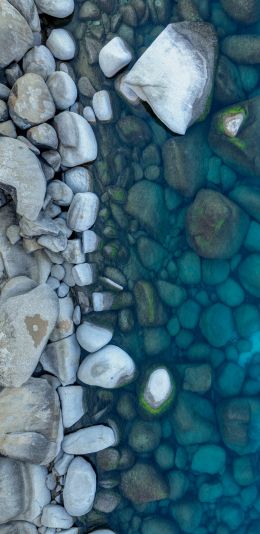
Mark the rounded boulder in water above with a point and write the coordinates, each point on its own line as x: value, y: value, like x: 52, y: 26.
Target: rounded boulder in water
x: 239, y: 419
x: 215, y: 226
x: 249, y: 274
x: 210, y: 459
x: 245, y: 11
x: 217, y: 325
x: 159, y: 525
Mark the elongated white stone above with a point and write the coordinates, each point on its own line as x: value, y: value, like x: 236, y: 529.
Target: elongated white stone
x: 80, y: 487
x: 71, y: 398
x: 102, y: 106
x: 83, y: 211
x: 89, y: 440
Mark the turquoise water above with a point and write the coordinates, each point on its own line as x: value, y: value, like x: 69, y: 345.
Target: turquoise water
x: 199, y: 317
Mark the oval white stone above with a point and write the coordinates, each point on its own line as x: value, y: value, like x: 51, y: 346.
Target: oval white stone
x: 110, y: 367
x: 92, y: 337
x: 89, y: 440
x: 61, y: 44
x: 80, y: 487
x: 158, y: 388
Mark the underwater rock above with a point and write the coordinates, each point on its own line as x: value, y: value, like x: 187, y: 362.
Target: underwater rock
x: 21, y: 170
x: 188, y: 514
x: 133, y: 131
x: 29, y: 422
x: 242, y: 49
x: 150, y: 310
x: 248, y: 198
x: 215, y: 226
x: 157, y: 392
x: 209, y: 459
x: 83, y: 211
x: 143, y: 483
x: 193, y: 419
x: 30, y: 101
x: 216, y: 324
x: 151, y: 253
x: 238, y: 420
x: 245, y: 11
x: 77, y: 140
x: 146, y: 203
x: 23, y: 491
x: 16, y: 36
x: 144, y: 436
x: 228, y: 86
x: 183, y: 170
x: 249, y: 274
x: 156, y: 525
x: 27, y: 321
x: 109, y: 367
x: 178, y: 96
x: 79, y: 488
x: 233, y: 136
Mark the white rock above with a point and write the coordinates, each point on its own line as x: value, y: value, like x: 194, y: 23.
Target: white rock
x: 60, y: 192
x: 61, y: 358
x: 55, y: 516
x: 158, y: 388
x: 30, y: 101
x: 84, y: 274
x: 90, y: 241
x: 43, y: 136
x: 77, y: 140
x: 89, y: 440
x: 79, y: 180
x: 60, y: 9
x: 71, y: 398
x: 73, y: 253
x: 114, y: 56
x: 80, y: 487
x: 102, y: 300
x: 233, y: 123
x: 102, y: 106
x: 64, y: 326
x: 92, y: 337
x: 125, y: 90
x: 20, y: 170
x: 61, y: 44
x: 16, y: 36
x: 63, y: 89
x: 110, y: 367
x: 175, y: 73
x: 83, y: 211
x: 39, y: 60
x: 89, y: 114
x: 62, y: 464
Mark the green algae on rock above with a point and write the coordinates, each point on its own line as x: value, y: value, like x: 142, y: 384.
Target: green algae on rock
x: 157, y: 391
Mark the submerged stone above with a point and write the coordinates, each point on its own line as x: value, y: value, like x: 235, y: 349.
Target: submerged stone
x: 245, y: 11
x: 144, y: 436
x: 215, y: 226
x: 159, y: 525
x: 209, y: 459
x: 239, y: 421
x: 249, y: 274
x: 243, y: 49
x: 233, y: 136
x: 178, y: 96
x: 143, y: 484
x: 193, y: 419
x: 228, y: 86
x: 150, y: 311
x: 157, y: 391
x: 217, y: 325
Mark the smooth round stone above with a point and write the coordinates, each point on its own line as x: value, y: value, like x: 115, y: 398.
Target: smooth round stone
x: 230, y: 379
x: 92, y: 337
x: 78, y: 179
x: 110, y: 367
x: 247, y: 319
x: 209, y: 459
x: 249, y: 274
x: 144, y: 436
x: 188, y: 514
x: 164, y: 456
x: 189, y: 268
x: 102, y: 106
x: 158, y: 525
x: 39, y: 60
x: 230, y: 293
x: 217, y: 325
x: 214, y: 271
x: 189, y: 313
x: 157, y: 391
x: 114, y: 56
x: 79, y: 488
x: 89, y: 440
x: 179, y: 484
x: 63, y: 89
x: 78, y: 144
x: 60, y: 9
x: 54, y: 516
x: 61, y: 44
x: 83, y: 211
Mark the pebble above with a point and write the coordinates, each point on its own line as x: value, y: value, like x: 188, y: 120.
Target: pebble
x: 102, y: 106
x: 114, y: 56
x: 109, y: 367
x: 63, y: 89
x: 43, y: 136
x: 50, y: 7
x: 80, y: 487
x: 71, y: 398
x: 61, y: 44
x: 55, y: 516
x: 77, y: 140
x: 78, y: 179
x: 89, y: 440
x: 83, y: 211
x: 84, y: 274
x: 92, y: 337
x: 39, y: 60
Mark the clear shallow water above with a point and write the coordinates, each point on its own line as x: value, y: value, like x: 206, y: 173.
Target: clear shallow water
x: 204, y: 485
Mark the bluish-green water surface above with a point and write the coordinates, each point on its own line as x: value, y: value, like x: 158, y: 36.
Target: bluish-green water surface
x: 180, y: 231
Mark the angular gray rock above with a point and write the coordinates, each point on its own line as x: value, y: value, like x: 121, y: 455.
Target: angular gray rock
x: 21, y: 171
x: 23, y: 492
x: 15, y: 34
x: 26, y: 322
x: 29, y: 422
x: 30, y: 101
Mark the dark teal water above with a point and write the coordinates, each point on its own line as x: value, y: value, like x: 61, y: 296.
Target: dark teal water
x: 202, y: 317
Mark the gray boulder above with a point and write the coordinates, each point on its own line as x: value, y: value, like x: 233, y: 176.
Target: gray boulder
x: 21, y: 171
x: 29, y: 422
x: 15, y: 34
x: 26, y: 322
